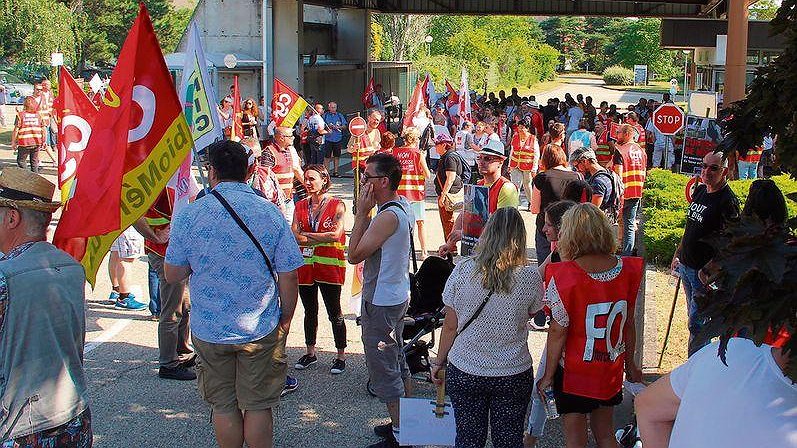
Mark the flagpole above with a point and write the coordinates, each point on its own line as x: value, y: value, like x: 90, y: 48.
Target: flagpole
x: 356, y: 172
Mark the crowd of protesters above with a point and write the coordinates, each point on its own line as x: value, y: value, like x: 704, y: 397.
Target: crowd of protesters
x: 581, y: 169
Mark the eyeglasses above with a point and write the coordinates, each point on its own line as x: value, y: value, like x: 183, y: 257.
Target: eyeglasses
x: 365, y: 176
x: 487, y: 159
x: 710, y: 167
x: 287, y: 135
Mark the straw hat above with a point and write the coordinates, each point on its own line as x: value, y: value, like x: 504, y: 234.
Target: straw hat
x: 22, y: 188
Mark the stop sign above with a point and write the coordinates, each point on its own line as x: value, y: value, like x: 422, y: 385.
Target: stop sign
x: 668, y: 119
x: 357, y: 126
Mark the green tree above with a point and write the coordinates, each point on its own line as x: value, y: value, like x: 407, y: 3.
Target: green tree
x: 639, y: 42
x: 764, y: 9
x: 568, y: 35
x: 32, y: 29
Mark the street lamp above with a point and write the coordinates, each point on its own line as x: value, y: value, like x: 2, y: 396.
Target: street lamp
x: 428, y: 39
x: 686, y: 86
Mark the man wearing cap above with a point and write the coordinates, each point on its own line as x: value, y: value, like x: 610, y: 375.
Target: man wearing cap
x: 501, y: 191
x: 605, y: 189
x: 42, y: 323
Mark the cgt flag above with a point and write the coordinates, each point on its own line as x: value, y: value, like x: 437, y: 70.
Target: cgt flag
x: 368, y: 96
x: 75, y: 113
x: 237, y: 114
x: 452, y: 100
x: 429, y: 95
x: 286, y: 105
x: 133, y: 151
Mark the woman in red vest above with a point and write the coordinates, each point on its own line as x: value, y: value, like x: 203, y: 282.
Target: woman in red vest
x: 27, y: 138
x: 318, y: 227
x: 414, y: 173
x: 591, y: 339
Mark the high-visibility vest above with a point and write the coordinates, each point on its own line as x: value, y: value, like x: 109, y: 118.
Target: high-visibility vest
x: 603, y: 151
x: 413, y: 182
x: 29, y: 129
x: 493, y: 192
x: 522, y: 156
x: 594, y: 353
x: 283, y: 169
x: 753, y: 155
x: 44, y: 103
x: 158, y: 216
x: 641, y: 137
x: 323, y: 262
x: 369, y: 144
x: 635, y: 162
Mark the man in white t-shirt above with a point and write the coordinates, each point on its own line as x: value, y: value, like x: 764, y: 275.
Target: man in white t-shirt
x: 749, y: 402
x: 383, y: 243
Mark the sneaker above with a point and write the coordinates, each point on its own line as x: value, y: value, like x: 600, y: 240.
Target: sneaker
x: 338, y: 366
x: 291, y: 384
x: 113, y: 298
x: 305, y: 362
x: 384, y: 431
x: 180, y: 373
x: 129, y: 303
x: 539, y: 322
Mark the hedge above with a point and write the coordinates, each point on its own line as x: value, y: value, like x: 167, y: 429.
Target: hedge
x: 664, y: 205
x: 618, y: 76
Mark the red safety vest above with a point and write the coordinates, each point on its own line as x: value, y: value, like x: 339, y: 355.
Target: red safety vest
x: 323, y: 262
x: 603, y: 152
x: 522, y: 156
x: 368, y: 146
x: 29, y: 129
x: 157, y: 217
x: 492, y: 193
x: 413, y: 182
x: 283, y: 169
x: 753, y: 155
x: 635, y: 162
x: 641, y: 137
x: 594, y: 354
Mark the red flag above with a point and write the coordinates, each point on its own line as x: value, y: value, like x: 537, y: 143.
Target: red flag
x: 368, y: 96
x: 416, y: 101
x: 286, y: 105
x: 133, y: 150
x: 237, y: 114
x: 75, y: 114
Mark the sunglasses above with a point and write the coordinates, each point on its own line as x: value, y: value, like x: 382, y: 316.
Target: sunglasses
x: 710, y: 167
x: 487, y: 159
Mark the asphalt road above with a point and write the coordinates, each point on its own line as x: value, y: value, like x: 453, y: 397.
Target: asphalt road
x: 131, y: 406
x: 595, y: 88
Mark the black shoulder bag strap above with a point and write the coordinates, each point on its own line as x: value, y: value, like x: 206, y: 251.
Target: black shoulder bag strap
x: 385, y: 206
x: 476, y: 314
x: 246, y: 230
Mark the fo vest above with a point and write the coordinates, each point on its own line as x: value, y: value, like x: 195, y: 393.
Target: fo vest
x: 635, y: 163
x: 603, y: 151
x: 283, y: 169
x: 30, y: 131
x: 523, y: 153
x: 594, y: 353
x: 413, y: 182
x: 323, y: 262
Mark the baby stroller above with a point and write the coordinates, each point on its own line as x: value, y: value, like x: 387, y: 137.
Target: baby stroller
x: 424, y: 315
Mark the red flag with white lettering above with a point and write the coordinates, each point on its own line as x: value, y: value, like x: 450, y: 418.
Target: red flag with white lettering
x: 133, y: 150
x: 368, y: 96
x: 286, y: 105
x: 75, y: 113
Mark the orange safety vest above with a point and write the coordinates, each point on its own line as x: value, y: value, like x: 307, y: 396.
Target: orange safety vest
x: 368, y: 146
x: 323, y: 262
x: 283, y: 169
x: 594, y: 353
x: 522, y: 156
x: 493, y: 192
x: 158, y: 216
x: 603, y: 151
x: 635, y: 162
x: 753, y: 155
x: 29, y: 129
x: 413, y: 181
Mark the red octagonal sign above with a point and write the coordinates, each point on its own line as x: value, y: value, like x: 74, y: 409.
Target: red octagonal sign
x: 357, y: 126
x: 668, y: 118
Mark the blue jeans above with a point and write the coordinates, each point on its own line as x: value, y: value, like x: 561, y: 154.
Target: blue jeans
x: 693, y: 286
x: 747, y: 170
x: 630, y: 210
x: 154, y: 292
x: 542, y: 245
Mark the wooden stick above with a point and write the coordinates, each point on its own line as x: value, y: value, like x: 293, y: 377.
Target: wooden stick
x: 440, y: 404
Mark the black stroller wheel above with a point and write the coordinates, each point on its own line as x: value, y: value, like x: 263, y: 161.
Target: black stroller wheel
x: 369, y: 388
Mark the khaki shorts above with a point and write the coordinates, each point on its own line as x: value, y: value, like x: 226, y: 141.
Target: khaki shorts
x: 247, y: 377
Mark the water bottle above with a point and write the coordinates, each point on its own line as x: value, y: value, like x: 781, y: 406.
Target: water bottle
x: 550, y: 404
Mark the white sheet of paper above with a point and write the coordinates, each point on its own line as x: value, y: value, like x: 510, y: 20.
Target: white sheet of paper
x: 420, y: 426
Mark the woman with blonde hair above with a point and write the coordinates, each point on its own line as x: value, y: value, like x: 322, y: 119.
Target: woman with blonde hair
x: 591, y: 339
x: 413, y: 179
x: 484, y: 343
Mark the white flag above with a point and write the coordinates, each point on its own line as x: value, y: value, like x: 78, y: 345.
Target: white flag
x: 464, y: 98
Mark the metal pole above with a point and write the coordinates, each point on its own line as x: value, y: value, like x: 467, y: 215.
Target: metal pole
x: 356, y: 171
x: 685, y: 83
x: 669, y: 321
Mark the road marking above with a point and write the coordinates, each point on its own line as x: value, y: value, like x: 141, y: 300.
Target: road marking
x: 106, y: 335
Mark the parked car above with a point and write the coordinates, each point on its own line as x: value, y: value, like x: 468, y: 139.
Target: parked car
x: 16, y: 89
